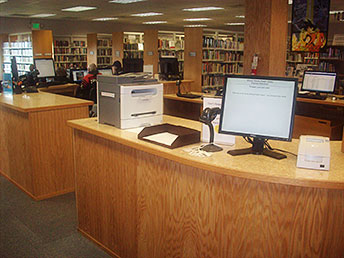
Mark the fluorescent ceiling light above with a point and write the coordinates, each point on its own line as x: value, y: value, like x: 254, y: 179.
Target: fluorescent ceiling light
x: 240, y: 16
x: 105, y: 19
x: 290, y: 1
x: 43, y: 15
x: 197, y: 19
x: 335, y: 12
x: 146, y: 14
x: 235, y: 23
x: 201, y: 9
x: 125, y: 1
x: 154, y: 22
x: 79, y: 9
x: 3, y: 1
x: 195, y: 25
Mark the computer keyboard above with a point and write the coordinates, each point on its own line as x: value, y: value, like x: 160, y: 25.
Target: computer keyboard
x: 311, y: 96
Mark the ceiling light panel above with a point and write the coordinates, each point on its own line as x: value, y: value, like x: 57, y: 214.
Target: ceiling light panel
x: 235, y: 23
x: 202, y: 9
x: 155, y: 22
x: 105, y: 19
x: 125, y: 1
x: 195, y: 25
x: 3, y: 1
x: 197, y: 19
x: 240, y: 16
x: 79, y: 9
x: 146, y: 14
x: 43, y: 15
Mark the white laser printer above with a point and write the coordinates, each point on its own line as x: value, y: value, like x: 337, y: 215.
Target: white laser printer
x: 314, y: 152
x: 129, y: 101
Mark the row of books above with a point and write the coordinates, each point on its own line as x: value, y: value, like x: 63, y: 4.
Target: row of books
x: 133, y: 46
x: 212, y: 81
x: 104, y: 60
x: 133, y: 54
x: 19, y: 59
x: 75, y: 51
x: 333, y: 53
x: 66, y: 43
x: 18, y: 52
x: 210, y: 42
x: 19, y: 44
x: 71, y: 58
x: 104, y: 52
x: 328, y: 67
x: 104, y: 42
x: 221, y: 68
x: 170, y: 44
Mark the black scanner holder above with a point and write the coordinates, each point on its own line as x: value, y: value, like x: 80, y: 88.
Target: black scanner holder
x: 207, y: 116
x: 185, y: 95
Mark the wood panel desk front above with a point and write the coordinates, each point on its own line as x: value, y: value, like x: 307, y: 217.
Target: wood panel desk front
x: 137, y: 199
x: 35, y: 143
x: 68, y: 89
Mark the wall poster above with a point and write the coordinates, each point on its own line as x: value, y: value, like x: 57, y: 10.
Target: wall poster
x: 309, y: 25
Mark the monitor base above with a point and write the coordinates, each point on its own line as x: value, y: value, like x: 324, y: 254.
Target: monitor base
x: 265, y: 152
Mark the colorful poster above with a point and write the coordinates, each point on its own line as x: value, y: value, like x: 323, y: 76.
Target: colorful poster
x: 309, y: 25
x: 7, y: 83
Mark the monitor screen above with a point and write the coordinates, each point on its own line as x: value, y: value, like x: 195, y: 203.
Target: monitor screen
x: 258, y: 106
x: 78, y: 75
x: 131, y: 65
x: 319, y: 81
x: 169, y: 67
x: 45, y: 67
x: 105, y: 71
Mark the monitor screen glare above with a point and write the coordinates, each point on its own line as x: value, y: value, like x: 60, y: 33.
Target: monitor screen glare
x: 45, y: 67
x: 257, y: 106
x: 319, y: 81
x: 78, y: 75
x: 107, y: 71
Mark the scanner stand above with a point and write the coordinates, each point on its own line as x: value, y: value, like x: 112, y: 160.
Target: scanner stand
x: 186, y: 95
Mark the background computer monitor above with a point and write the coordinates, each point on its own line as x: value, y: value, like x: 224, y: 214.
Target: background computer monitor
x: 131, y: 65
x: 260, y: 107
x: 78, y: 75
x: 105, y: 71
x: 319, y: 82
x: 169, y: 68
x: 45, y: 67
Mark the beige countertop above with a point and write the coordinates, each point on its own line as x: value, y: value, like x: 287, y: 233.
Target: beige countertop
x: 28, y: 102
x: 254, y: 167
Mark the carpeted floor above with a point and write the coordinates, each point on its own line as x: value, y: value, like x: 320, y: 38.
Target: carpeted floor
x: 46, y: 228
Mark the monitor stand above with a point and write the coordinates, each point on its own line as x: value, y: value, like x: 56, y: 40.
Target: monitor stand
x: 257, y: 149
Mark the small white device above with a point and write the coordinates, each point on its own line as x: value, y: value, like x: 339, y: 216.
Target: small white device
x: 314, y: 152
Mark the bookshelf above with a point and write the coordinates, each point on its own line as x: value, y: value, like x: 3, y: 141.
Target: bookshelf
x: 133, y: 46
x: 104, y: 51
x: 19, y: 46
x: 172, y: 44
x: 70, y: 51
x: 222, y: 54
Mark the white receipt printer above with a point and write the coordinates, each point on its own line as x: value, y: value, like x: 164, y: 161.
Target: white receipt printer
x: 129, y: 101
x: 314, y: 152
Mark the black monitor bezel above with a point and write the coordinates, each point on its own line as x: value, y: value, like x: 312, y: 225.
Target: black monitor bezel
x: 318, y: 91
x: 166, y: 58
x: 267, y: 137
x: 76, y: 70
x: 37, y: 59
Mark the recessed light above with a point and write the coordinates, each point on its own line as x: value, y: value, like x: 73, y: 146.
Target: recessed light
x: 195, y: 25
x: 105, y: 19
x: 3, y: 1
x: 43, y: 15
x: 235, y: 23
x: 290, y: 1
x: 240, y: 16
x: 125, y: 1
x: 154, y: 22
x: 197, y: 19
x: 289, y: 21
x: 79, y: 8
x: 201, y: 9
x: 335, y: 12
x: 146, y: 14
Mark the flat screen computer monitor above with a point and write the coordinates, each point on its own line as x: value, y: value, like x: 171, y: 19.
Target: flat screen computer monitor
x: 169, y: 67
x: 45, y: 67
x: 105, y: 71
x: 78, y: 75
x: 319, y: 82
x: 131, y: 65
x: 259, y: 107
x: 14, y: 69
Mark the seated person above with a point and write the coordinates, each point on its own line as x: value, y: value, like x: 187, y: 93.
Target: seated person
x: 116, y: 68
x: 31, y: 77
x: 61, y: 75
x: 88, y: 82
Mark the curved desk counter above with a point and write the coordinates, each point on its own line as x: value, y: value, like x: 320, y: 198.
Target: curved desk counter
x: 138, y: 199
x: 35, y: 142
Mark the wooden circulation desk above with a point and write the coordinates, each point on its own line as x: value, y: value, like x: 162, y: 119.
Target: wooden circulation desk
x: 68, y: 89
x: 137, y: 199
x: 36, y: 144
